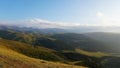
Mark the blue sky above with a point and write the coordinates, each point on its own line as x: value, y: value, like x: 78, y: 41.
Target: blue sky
x: 58, y: 10
x: 75, y: 11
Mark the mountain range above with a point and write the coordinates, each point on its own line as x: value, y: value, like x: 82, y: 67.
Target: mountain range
x: 92, y: 50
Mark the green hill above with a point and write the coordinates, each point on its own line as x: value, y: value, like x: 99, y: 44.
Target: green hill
x: 112, y: 40
x: 29, y: 50
x: 59, y: 42
x: 12, y: 59
x: 70, y: 48
x: 50, y: 55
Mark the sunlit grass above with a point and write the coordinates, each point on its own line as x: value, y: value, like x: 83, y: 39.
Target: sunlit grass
x: 12, y: 59
x: 92, y: 54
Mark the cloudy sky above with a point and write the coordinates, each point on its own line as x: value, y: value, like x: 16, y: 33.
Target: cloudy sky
x: 60, y: 13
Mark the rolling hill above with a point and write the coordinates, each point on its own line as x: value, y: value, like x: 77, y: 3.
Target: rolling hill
x: 11, y: 59
x: 112, y: 40
x: 63, y: 41
x: 89, y: 50
x: 48, y: 54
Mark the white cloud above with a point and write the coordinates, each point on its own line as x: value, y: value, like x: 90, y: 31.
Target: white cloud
x: 39, y: 23
x: 102, y: 21
x: 105, y: 20
x: 99, y: 14
x: 49, y: 24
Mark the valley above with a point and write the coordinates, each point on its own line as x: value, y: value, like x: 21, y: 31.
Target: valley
x: 66, y: 48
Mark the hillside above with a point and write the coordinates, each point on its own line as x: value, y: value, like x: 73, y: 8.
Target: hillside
x: 12, y: 59
x: 112, y: 40
x: 68, y: 48
x: 59, y: 42
x: 50, y: 55
x: 92, y: 54
x: 29, y: 50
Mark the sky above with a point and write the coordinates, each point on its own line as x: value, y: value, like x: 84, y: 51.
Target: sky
x: 60, y: 13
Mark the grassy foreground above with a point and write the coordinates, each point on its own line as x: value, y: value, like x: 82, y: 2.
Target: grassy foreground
x: 12, y: 59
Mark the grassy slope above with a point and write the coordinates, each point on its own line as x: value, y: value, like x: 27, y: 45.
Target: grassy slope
x: 66, y: 41
x: 12, y: 59
x: 48, y: 54
x: 29, y: 50
x: 92, y: 54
